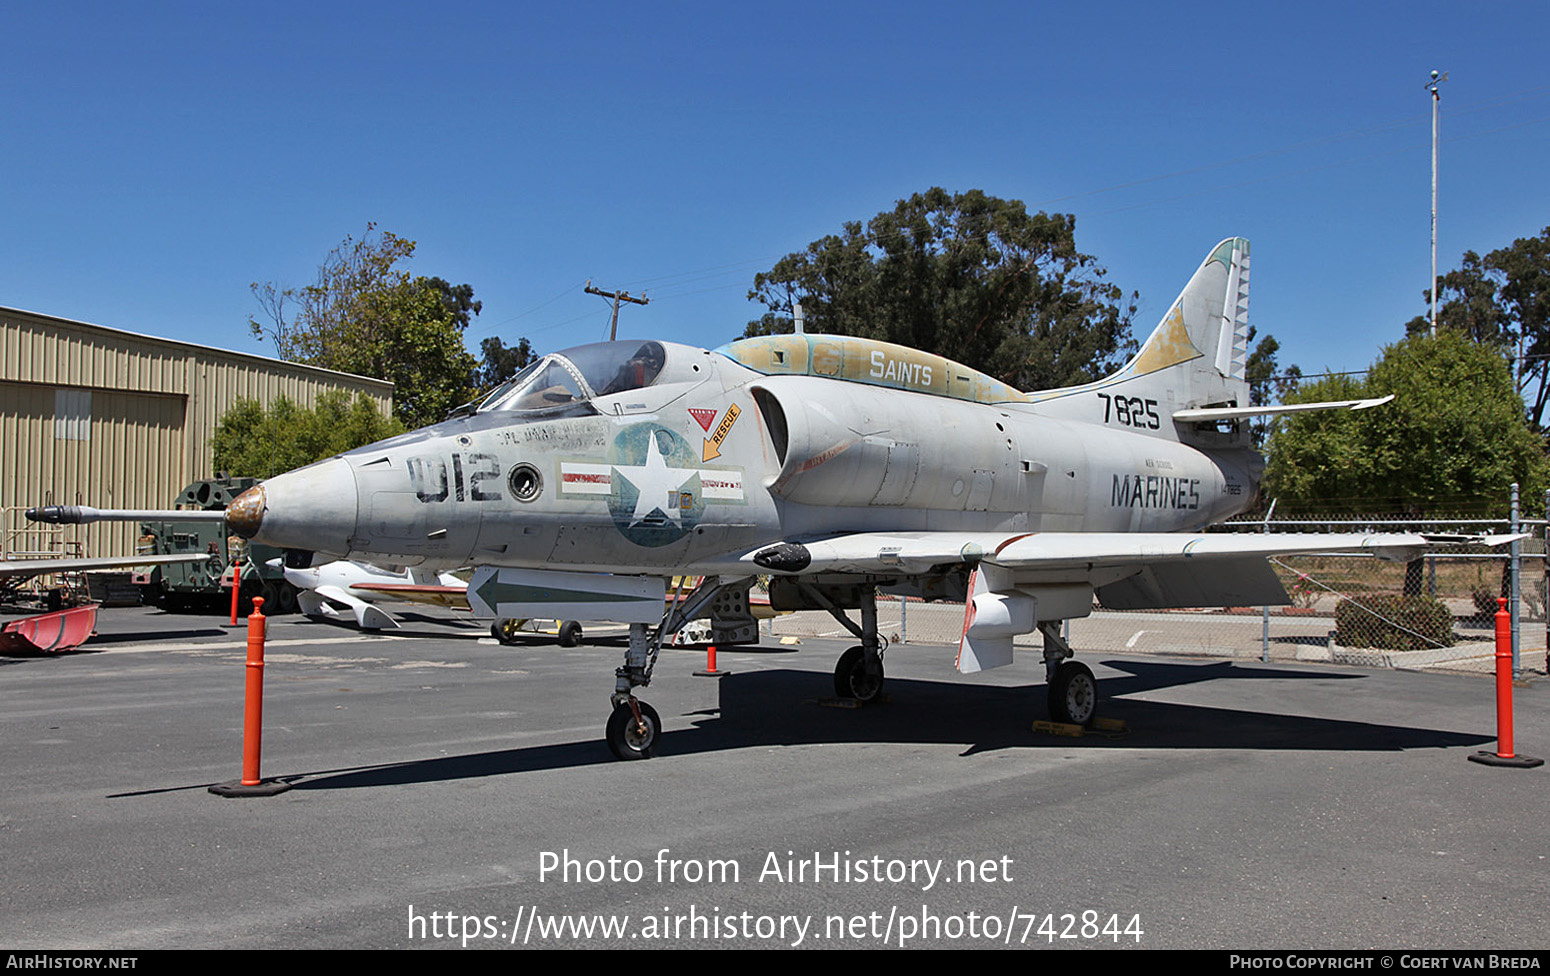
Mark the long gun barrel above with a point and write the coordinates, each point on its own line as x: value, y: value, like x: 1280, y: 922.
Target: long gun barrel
x: 80, y: 514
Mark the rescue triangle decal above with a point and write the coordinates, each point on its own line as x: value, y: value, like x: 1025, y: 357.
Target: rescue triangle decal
x: 703, y: 417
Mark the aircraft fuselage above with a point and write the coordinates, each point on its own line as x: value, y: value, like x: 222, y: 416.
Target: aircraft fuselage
x: 724, y: 459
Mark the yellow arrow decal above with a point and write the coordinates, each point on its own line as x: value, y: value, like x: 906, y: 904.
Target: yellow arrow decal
x: 713, y: 443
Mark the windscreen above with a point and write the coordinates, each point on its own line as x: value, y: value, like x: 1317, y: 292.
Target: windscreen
x: 575, y: 375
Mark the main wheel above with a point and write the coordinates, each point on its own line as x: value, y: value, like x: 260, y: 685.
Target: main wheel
x: 851, y: 679
x: 1073, y: 694
x: 630, y: 739
x: 570, y: 633
x: 506, y: 629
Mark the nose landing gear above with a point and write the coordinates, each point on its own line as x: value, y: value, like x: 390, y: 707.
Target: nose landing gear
x: 633, y: 727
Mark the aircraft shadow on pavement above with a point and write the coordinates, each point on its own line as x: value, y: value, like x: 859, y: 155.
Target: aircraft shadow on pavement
x: 180, y: 634
x: 781, y: 707
x: 416, y: 625
x: 409, y: 625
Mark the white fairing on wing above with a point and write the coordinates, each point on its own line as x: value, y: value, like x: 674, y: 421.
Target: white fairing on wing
x: 998, y: 611
x: 990, y: 621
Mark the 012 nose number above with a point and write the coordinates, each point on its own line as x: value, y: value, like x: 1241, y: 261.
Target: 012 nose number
x: 480, y: 481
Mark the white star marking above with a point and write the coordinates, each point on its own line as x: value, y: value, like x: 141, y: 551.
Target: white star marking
x: 654, y: 480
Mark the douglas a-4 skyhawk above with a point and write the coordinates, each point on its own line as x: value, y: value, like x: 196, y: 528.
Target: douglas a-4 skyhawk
x: 837, y: 466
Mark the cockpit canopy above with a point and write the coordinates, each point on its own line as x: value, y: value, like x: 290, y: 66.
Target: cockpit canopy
x: 561, y: 380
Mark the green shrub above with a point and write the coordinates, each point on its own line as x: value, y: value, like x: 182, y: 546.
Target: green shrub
x: 1394, y: 623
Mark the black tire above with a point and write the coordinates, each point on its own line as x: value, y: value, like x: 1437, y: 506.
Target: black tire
x: 1073, y: 694
x: 852, y: 681
x: 570, y: 633
x: 282, y: 598
x: 626, y: 739
x: 505, y: 629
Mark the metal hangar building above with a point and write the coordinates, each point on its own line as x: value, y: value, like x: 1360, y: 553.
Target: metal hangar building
x: 91, y: 415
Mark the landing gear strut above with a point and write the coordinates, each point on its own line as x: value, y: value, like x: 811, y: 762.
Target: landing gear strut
x: 1073, y: 691
x: 859, y: 672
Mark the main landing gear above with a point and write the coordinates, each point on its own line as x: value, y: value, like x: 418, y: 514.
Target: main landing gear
x: 1073, y: 691
x: 852, y: 678
x: 859, y: 672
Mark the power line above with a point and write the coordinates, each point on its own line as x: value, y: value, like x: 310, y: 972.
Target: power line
x: 617, y: 296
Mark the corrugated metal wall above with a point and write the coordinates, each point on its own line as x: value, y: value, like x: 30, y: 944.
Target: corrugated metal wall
x: 98, y: 416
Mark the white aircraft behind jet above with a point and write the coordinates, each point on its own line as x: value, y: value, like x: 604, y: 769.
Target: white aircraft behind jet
x: 334, y: 590
x: 343, y: 588
x: 839, y: 466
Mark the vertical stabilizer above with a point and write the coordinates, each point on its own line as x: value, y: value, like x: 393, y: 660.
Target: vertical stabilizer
x: 1196, y: 357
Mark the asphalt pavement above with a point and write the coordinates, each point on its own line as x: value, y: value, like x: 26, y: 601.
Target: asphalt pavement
x: 450, y: 792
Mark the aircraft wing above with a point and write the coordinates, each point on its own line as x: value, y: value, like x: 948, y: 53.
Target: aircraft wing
x: 914, y: 552
x: 1128, y: 570
x: 38, y: 567
x: 1020, y: 580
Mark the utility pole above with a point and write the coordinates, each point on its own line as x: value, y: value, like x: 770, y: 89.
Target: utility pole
x: 1436, y: 103
x: 617, y: 296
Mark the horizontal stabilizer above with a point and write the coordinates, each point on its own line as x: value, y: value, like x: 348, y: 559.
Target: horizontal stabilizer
x: 1206, y: 414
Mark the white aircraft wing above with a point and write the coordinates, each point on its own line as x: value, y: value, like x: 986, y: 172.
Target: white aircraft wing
x: 1129, y: 570
x: 892, y: 552
x: 1021, y: 580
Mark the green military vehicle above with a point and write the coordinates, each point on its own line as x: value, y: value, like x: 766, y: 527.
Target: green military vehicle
x: 207, y: 585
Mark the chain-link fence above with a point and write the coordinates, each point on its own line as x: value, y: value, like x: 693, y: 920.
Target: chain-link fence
x: 1464, y: 580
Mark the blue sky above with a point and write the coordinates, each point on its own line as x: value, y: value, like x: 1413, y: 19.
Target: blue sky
x: 160, y: 157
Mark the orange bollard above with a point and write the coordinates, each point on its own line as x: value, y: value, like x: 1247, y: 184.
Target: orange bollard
x: 236, y: 586
x: 1504, y: 756
x: 253, y: 717
x: 710, y: 665
x: 253, y: 712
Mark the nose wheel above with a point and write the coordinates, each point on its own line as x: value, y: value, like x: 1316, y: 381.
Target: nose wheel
x: 633, y: 729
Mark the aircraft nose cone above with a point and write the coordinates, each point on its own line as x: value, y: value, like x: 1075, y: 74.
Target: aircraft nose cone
x: 245, y: 515
x: 309, y: 508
